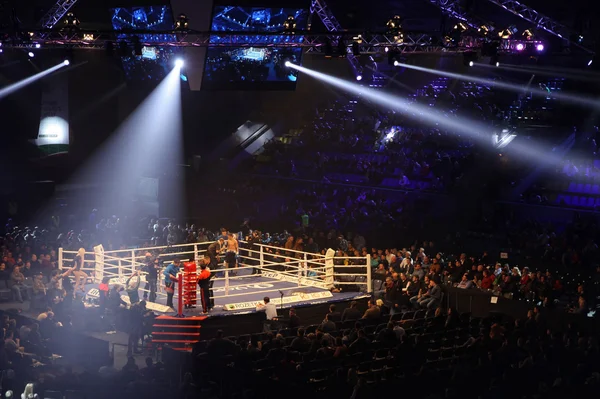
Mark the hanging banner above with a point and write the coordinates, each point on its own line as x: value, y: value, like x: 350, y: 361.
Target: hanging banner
x: 53, y: 134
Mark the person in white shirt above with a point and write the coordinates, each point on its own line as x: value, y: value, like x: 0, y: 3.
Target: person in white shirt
x: 269, y: 308
x: 271, y: 312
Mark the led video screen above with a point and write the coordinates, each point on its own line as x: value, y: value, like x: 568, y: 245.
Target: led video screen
x: 258, y: 67
x: 155, y: 62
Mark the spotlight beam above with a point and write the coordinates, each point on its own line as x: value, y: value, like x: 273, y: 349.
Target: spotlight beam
x: 537, y: 152
x: 540, y: 71
x: 8, y: 90
x: 570, y: 98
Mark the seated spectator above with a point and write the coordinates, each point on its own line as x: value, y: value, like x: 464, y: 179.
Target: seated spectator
x: 333, y: 314
x: 327, y: 325
x: 220, y: 347
x: 387, y: 335
x: 351, y: 313
x: 465, y: 283
x: 341, y: 350
x: 373, y: 311
x: 361, y: 344
x: 325, y: 351
x: 487, y: 282
x: 294, y: 321
x: 130, y: 366
x: 18, y: 286
x: 300, y: 343
x: 432, y: 297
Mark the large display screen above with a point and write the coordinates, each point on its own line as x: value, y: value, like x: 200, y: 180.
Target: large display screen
x: 155, y: 62
x: 260, y: 66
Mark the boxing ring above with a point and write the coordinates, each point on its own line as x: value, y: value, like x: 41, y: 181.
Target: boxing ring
x: 288, y: 277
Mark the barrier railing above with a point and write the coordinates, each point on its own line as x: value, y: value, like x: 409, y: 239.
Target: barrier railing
x: 303, y: 269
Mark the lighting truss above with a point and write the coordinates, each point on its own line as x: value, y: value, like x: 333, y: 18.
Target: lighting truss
x: 332, y: 25
x: 453, y: 9
x: 56, y: 13
x: 313, y: 42
x: 540, y: 21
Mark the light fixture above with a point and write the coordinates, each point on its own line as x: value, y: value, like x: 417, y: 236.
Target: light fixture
x: 471, y: 63
x: 88, y: 37
x: 182, y: 22
x: 289, y: 25
x: 590, y: 62
x: 520, y: 47
x: 539, y: 47
x: 485, y: 30
x: 396, y: 63
x: 179, y: 63
x: 528, y: 34
x: 287, y: 64
x: 497, y: 64
x: 508, y: 32
x: 30, y: 54
x: 66, y: 62
x: 359, y: 77
x: 394, y: 29
x: 71, y: 22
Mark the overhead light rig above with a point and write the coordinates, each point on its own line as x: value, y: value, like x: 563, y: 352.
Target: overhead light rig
x: 95, y: 39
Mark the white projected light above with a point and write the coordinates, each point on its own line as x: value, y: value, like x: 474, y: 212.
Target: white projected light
x: 179, y: 63
x: 66, y: 62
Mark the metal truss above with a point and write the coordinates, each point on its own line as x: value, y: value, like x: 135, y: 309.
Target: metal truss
x: 56, y: 13
x: 312, y: 42
x: 540, y: 21
x: 332, y: 25
x: 325, y: 15
x: 453, y: 9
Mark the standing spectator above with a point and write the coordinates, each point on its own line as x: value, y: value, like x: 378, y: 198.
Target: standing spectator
x: 351, y: 313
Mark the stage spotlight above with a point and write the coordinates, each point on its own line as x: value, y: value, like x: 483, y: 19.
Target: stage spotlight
x: 497, y: 64
x: 528, y: 34
x: 37, y: 45
x: 30, y: 54
x: 71, y: 22
x: 520, y: 47
x: 539, y: 47
x: 590, y: 62
x: 179, y: 63
x: 182, y: 22
x: 471, y: 63
x: 396, y: 63
x: 289, y: 25
x: 508, y: 32
x: 66, y: 62
x: 359, y: 77
x: 287, y: 64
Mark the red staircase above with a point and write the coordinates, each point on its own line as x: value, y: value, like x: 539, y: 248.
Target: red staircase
x: 180, y: 333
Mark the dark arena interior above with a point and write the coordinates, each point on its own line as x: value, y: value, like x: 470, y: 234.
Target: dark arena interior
x: 345, y: 199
